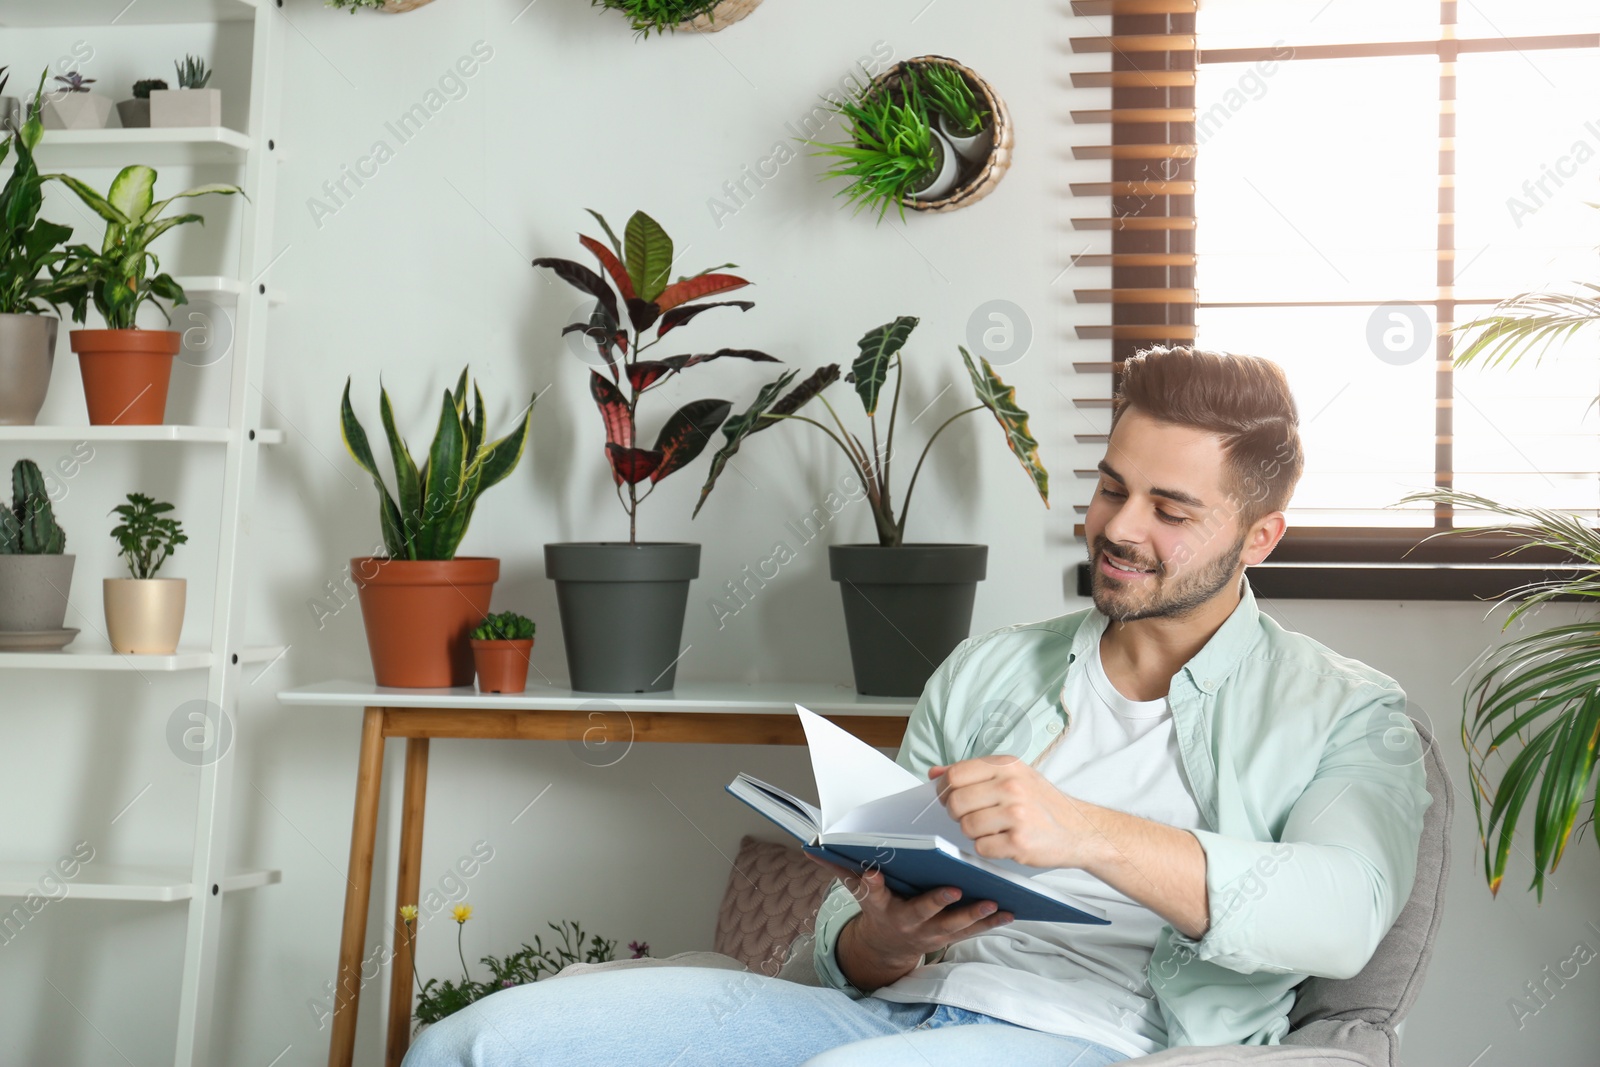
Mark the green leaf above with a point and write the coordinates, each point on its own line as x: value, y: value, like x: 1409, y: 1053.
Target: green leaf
x: 499, y: 458
x: 1001, y: 399
x: 408, y: 483
x: 737, y: 429
x: 221, y: 188
x: 648, y: 255
x: 395, y: 541
x: 878, y: 348
x: 97, y: 203
x: 444, y: 479
x: 132, y: 191
x: 616, y: 245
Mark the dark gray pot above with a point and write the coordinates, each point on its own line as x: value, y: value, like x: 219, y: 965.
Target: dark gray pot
x: 905, y: 609
x: 622, y: 608
x: 27, y: 352
x: 135, y: 113
x: 33, y: 591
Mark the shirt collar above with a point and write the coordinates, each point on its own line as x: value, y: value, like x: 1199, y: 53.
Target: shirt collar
x: 1216, y: 658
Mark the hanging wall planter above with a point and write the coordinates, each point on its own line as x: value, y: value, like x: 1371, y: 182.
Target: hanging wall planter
x: 387, y: 7
x: 673, y: 16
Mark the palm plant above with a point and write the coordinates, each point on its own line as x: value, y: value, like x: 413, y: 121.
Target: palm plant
x: 891, y: 151
x: 879, y: 352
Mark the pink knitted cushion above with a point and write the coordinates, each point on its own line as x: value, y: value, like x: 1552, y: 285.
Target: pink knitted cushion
x: 772, y: 898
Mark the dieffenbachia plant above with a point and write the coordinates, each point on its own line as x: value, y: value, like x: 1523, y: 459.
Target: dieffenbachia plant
x: 29, y: 245
x: 427, y: 516
x: 879, y: 351
x: 639, y: 267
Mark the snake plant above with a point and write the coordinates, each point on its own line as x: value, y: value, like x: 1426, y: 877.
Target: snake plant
x: 428, y: 515
x: 879, y: 352
x: 28, y: 527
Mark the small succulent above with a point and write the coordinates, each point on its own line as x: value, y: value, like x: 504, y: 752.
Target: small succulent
x: 145, y: 537
x: 506, y: 626
x: 143, y: 87
x: 74, y: 82
x: 192, y: 72
x: 28, y: 527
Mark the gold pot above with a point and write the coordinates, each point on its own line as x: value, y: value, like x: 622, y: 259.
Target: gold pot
x: 144, y: 615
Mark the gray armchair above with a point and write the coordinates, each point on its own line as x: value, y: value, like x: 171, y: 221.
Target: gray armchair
x: 774, y: 891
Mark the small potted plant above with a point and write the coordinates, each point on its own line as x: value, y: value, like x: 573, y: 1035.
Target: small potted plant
x: 893, y: 154
x: 670, y: 16
x: 420, y: 601
x: 125, y: 369
x: 144, y: 614
x: 75, y: 106
x: 191, y: 103
x: 135, y: 113
x: 907, y: 605
x: 622, y: 603
x: 29, y: 246
x: 501, y: 645
x: 964, y: 122
x: 35, y: 569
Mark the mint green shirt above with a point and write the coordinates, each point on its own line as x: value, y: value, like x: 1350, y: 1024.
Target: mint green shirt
x: 1306, y: 770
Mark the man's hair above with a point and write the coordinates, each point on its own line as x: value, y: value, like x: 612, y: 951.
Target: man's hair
x: 1244, y: 400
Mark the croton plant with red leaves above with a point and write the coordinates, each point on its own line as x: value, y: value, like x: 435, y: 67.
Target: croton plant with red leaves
x: 636, y: 284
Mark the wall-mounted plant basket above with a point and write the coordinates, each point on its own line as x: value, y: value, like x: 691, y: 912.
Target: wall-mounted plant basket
x: 720, y: 17
x: 979, y: 171
x: 397, y: 7
x: 648, y: 18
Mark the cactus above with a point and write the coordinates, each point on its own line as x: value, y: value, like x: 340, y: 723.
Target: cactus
x: 506, y: 626
x: 28, y: 527
x: 142, y: 87
x: 192, y: 72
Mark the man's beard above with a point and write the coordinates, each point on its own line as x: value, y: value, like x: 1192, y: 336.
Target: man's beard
x: 1174, y: 595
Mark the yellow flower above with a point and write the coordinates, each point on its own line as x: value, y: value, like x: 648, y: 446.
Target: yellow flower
x: 462, y: 912
x: 408, y: 912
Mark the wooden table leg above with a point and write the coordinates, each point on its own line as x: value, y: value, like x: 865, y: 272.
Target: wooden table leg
x: 408, y: 884
x: 358, y: 891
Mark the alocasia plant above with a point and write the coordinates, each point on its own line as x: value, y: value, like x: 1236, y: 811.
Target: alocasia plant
x: 639, y: 267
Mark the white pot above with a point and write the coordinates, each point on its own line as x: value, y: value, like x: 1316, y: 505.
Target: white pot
x: 186, y: 107
x: 945, y: 180
x: 975, y: 148
x: 79, y: 111
x: 144, y: 615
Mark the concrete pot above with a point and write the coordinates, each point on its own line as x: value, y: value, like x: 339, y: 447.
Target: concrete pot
x: 419, y: 615
x: 186, y: 107
x: 906, y: 608
x: 27, y: 353
x: 79, y: 111
x: 622, y: 608
x: 135, y: 113
x: 125, y: 374
x: 145, y: 615
x: 33, y: 591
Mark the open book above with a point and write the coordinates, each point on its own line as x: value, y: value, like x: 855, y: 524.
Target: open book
x: 875, y: 813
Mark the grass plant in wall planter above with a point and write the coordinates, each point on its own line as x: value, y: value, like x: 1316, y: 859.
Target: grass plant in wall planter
x: 670, y: 16
x: 622, y: 603
x: 35, y: 569
x: 126, y: 370
x: 29, y: 247
x: 144, y: 614
x: 501, y: 647
x: 420, y: 600
x: 906, y: 605
x: 388, y: 7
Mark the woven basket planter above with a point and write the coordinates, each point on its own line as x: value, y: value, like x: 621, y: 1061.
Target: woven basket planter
x: 723, y: 15
x: 977, y: 179
x: 396, y: 7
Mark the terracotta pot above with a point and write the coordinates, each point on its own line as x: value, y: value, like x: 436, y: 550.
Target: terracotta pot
x: 419, y: 615
x: 502, y: 664
x: 145, y: 615
x: 125, y: 374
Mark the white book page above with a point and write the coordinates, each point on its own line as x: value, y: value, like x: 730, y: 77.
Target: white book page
x: 919, y: 812
x: 848, y: 771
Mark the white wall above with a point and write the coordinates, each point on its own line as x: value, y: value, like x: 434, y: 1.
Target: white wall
x: 425, y: 268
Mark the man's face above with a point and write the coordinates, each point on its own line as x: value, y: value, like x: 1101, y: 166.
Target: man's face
x: 1163, y: 532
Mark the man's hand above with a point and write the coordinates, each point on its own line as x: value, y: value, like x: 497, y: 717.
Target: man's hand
x: 892, y: 933
x: 1013, y: 812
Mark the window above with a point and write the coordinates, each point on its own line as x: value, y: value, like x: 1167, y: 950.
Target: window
x: 1365, y: 175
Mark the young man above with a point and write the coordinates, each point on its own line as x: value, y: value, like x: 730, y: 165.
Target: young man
x: 1244, y: 803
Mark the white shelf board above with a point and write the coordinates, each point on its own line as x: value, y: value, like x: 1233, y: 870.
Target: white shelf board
x: 96, y: 881
x: 87, y: 653
x: 205, y: 435
x: 158, y: 147
x: 219, y: 290
x: 775, y: 698
x: 36, y: 13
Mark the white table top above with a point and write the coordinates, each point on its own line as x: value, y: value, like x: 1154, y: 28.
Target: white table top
x: 775, y: 698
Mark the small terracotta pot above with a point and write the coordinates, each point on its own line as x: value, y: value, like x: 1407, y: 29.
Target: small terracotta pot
x: 125, y: 374
x: 145, y: 615
x: 502, y: 664
x: 419, y: 615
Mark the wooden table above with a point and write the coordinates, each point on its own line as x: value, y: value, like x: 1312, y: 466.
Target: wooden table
x: 694, y: 713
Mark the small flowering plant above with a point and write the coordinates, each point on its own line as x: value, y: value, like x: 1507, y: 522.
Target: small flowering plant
x: 437, y: 1000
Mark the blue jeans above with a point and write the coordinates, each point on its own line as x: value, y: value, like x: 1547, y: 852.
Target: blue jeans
x: 706, y: 1017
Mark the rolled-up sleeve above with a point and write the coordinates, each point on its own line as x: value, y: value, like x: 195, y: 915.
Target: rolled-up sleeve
x: 923, y: 746
x: 1318, y: 900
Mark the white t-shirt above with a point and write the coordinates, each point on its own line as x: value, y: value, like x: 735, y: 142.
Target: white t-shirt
x: 1063, y: 978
